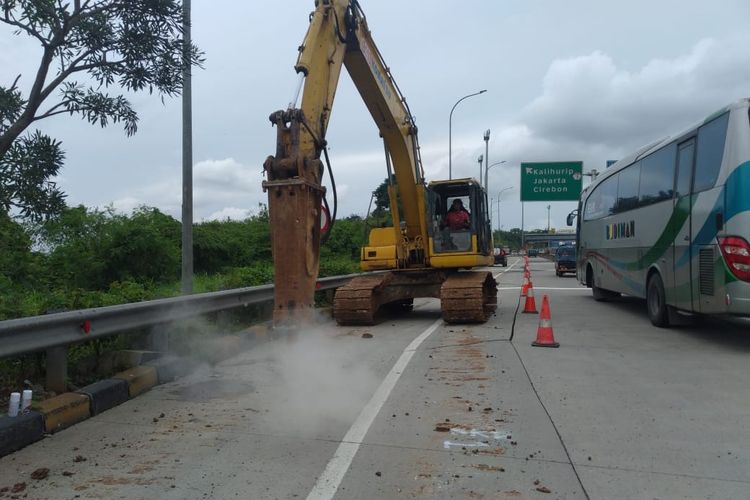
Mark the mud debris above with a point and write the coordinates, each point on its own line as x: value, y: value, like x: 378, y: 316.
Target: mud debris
x: 40, y: 473
x: 442, y: 428
x: 378, y: 473
x: 79, y: 458
x: 18, y: 488
x: 543, y: 489
x: 367, y: 335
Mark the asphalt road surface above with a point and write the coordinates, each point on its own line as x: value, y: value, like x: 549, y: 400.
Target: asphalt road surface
x: 414, y: 408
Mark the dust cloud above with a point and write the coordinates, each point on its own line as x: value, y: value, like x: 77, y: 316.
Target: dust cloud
x: 322, y: 378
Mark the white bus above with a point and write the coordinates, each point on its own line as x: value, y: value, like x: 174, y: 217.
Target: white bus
x: 671, y: 222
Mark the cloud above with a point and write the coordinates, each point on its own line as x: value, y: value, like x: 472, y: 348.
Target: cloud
x: 590, y: 100
x: 590, y: 108
x: 221, y: 189
x: 230, y: 213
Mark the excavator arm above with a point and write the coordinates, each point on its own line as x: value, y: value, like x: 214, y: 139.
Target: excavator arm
x: 337, y: 36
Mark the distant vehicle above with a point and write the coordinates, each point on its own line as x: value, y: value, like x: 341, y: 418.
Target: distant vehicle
x: 501, y: 257
x: 532, y: 252
x: 565, y: 260
x: 671, y: 222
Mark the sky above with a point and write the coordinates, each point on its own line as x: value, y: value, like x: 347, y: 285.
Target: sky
x: 581, y: 80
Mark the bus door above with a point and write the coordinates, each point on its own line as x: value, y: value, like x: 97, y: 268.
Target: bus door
x: 682, y: 292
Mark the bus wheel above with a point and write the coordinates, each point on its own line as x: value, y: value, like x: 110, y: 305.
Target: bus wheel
x: 656, y: 303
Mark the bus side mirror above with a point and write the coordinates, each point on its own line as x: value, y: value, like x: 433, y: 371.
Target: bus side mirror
x: 571, y: 217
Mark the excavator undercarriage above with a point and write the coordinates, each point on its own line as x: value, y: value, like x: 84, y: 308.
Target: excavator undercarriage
x: 465, y: 297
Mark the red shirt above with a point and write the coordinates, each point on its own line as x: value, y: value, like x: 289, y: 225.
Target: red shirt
x: 457, y: 219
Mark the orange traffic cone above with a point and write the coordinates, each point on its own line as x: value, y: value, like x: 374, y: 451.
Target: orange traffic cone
x: 544, y: 335
x: 526, y: 285
x: 530, y: 305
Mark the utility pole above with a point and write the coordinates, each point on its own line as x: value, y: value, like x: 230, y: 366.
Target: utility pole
x: 548, y: 207
x: 187, y: 155
x: 486, y: 158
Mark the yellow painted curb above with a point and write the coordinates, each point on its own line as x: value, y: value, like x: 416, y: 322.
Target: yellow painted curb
x: 259, y: 330
x: 139, y: 379
x: 64, y: 410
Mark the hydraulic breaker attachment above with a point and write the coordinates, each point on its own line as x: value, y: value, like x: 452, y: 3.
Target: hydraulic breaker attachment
x: 294, y: 205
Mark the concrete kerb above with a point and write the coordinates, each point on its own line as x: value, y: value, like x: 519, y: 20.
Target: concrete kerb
x: 60, y: 412
x: 20, y: 431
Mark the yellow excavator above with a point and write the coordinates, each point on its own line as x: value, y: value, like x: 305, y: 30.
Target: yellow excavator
x: 428, y: 251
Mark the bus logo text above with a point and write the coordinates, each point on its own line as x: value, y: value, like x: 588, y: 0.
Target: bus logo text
x: 620, y: 230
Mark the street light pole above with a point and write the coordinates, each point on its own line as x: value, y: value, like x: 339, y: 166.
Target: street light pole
x: 486, y: 171
x: 486, y: 156
x: 492, y: 203
x: 498, y: 203
x: 548, y: 207
x: 480, y: 167
x: 186, y: 280
x: 450, y: 131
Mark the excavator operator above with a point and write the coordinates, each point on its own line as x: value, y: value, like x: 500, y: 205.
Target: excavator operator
x: 457, y: 217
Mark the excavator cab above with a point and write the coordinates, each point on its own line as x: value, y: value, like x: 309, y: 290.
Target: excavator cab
x: 459, y: 223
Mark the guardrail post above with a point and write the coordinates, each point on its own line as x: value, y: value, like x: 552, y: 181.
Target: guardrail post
x: 158, y: 338
x: 57, y: 369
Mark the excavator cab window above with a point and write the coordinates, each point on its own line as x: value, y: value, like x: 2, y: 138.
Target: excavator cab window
x: 453, y: 221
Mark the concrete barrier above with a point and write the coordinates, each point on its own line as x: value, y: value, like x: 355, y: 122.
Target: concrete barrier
x: 64, y: 410
x: 139, y: 379
x: 20, y: 431
x: 106, y: 394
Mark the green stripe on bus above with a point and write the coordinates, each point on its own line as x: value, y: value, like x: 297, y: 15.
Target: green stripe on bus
x: 679, y: 215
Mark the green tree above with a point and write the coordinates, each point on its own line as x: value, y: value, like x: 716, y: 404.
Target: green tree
x: 144, y: 247
x: 511, y: 239
x: 90, y: 249
x: 74, y: 241
x: 382, y: 202
x: 136, y: 45
x: 381, y: 214
x: 347, y: 237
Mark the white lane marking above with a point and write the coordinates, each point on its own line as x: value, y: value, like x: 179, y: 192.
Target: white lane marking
x: 509, y: 268
x: 329, y: 481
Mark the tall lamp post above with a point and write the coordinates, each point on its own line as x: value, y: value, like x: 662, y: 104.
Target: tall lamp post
x: 498, y: 203
x: 486, y: 156
x: 548, y: 227
x: 486, y: 171
x: 450, y: 131
x: 187, y: 158
x: 481, y: 157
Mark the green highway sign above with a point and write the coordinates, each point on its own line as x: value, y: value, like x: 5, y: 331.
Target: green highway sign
x: 551, y: 181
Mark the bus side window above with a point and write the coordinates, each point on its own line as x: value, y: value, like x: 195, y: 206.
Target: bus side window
x: 711, y: 139
x: 685, y: 167
x: 657, y: 176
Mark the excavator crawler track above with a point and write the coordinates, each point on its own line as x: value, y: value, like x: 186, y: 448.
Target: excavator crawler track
x: 468, y: 297
x: 356, y: 303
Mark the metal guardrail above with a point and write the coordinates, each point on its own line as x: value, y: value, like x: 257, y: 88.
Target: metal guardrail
x: 38, y: 333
